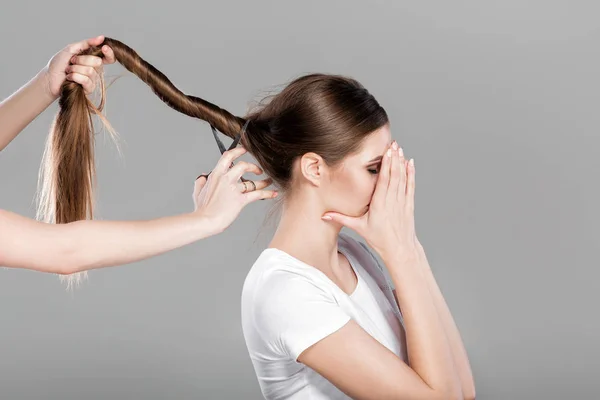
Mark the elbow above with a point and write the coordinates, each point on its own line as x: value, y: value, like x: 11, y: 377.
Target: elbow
x: 66, y: 266
x: 470, y: 394
x: 74, y: 256
x: 66, y: 269
x: 447, y: 395
x: 69, y: 261
x: 459, y: 394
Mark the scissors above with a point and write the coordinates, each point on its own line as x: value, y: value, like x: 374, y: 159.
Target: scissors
x: 222, y: 149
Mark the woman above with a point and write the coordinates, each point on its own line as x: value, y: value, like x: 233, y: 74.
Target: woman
x: 82, y: 245
x: 319, y: 319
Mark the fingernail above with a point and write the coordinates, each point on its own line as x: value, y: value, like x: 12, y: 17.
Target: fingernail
x: 389, y: 152
x: 326, y: 217
x: 400, y: 152
x: 412, y: 162
x: 275, y: 194
x: 394, y: 145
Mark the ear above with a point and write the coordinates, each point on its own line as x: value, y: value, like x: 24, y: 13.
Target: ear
x: 312, y: 167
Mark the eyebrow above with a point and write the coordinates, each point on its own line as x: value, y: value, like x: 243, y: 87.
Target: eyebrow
x: 376, y: 159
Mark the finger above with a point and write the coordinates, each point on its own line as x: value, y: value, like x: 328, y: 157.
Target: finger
x: 227, y: 158
x: 83, y: 80
x: 242, y: 167
x: 401, y: 194
x: 383, y: 178
x: 392, y: 192
x: 90, y: 72
x: 247, y: 185
x: 201, y: 180
x: 78, y: 47
x: 410, y: 185
x: 90, y: 61
x: 96, y: 41
x: 199, y: 184
x: 263, y: 183
x: 109, y: 55
x: 350, y: 222
x: 260, y: 195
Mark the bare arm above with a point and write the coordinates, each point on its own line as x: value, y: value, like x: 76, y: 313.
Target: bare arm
x: 459, y: 353
x: 363, y: 368
x: 350, y: 358
x: 22, y: 107
x: 85, y: 245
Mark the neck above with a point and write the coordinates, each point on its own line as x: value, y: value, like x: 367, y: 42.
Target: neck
x: 304, y: 235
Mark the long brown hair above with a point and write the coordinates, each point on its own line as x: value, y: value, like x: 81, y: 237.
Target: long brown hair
x: 322, y: 113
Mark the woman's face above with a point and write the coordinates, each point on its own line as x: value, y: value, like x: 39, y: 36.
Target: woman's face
x: 348, y: 187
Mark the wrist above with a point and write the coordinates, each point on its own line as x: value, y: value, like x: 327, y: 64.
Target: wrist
x: 400, y: 257
x: 398, y: 250
x: 205, y: 225
x: 42, y: 83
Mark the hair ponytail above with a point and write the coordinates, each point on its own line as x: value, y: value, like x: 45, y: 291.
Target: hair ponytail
x: 327, y: 114
x: 67, y: 174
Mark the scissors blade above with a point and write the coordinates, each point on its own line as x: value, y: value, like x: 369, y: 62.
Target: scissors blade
x: 235, y: 142
x: 219, y: 143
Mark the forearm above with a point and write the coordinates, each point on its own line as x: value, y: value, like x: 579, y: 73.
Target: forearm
x: 459, y: 353
x: 85, y: 245
x: 429, y: 352
x: 22, y: 107
x: 108, y: 243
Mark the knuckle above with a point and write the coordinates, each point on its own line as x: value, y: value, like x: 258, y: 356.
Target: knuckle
x: 244, y: 165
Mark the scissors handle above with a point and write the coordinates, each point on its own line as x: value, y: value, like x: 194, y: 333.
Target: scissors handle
x: 222, y: 149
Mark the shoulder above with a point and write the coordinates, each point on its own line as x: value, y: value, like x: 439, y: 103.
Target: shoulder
x: 287, y: 306
x: 366, y: 259
x: 277, y: 281
x: 358, y: 249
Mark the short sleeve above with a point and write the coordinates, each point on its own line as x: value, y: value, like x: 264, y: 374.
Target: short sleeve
x: 388, y: 282
x: 383, y: 280
x: 293, y: 313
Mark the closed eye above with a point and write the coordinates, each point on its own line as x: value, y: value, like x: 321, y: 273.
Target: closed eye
x: 374, y: 170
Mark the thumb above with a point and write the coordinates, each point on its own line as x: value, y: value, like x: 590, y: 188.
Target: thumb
x: 350, y: 222
x: 78, y: 47
x: 199, y: 184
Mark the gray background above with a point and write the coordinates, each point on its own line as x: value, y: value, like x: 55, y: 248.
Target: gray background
x: 496, y: 101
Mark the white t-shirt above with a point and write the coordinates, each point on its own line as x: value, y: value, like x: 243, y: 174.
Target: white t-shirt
x: 287, y: 306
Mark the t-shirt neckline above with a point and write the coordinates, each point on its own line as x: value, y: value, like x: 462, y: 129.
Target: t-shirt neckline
x: 341, y: 249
